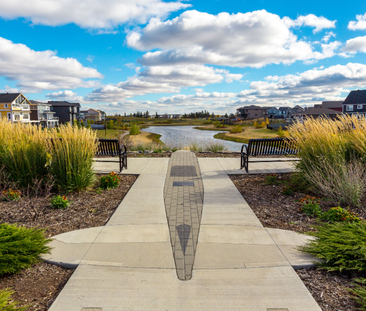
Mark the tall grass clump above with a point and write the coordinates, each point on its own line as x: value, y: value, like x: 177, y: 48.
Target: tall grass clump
x: 333, y: 156
x: 215, y: 147
x: 72, y: 152
x: 23, y: 152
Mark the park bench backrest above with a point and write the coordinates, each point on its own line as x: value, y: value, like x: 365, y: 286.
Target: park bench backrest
x: 108, y: 147
x: 270, y: 146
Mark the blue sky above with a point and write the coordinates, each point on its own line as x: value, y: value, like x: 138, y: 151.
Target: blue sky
x: 181, y: 56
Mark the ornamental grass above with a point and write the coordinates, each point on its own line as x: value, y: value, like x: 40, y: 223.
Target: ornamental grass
x: 333, y: 156
x: 23, y: 152
x: 72, y: 150
x: 29, y: 154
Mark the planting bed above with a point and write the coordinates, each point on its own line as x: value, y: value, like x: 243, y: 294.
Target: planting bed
x: 39, y: 285
x: 276, y: 210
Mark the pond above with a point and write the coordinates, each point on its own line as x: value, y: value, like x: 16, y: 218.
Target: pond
x: 180, y: 136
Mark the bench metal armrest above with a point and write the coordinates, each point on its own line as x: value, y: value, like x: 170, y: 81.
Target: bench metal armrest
x: 244, y: 156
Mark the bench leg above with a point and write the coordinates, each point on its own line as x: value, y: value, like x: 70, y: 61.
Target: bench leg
x: 244, y: 162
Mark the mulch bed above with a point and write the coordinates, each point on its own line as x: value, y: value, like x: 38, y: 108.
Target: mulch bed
x: 276, y: 210
x: 39, y: 285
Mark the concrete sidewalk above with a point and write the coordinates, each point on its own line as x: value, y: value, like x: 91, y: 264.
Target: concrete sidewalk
x: 129, y: 263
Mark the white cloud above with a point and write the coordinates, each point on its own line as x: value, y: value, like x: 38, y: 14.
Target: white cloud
x: 307, y: 87
x: 360, y: 24
x: 311, y: 20
x: 328, y: 36
x: 162, y: 79
x: 252, y: 39
x: 36, y: 71
x: 65, y: 95
x: 87, y: 13
x: 90, y: 58
x: 355, y: 45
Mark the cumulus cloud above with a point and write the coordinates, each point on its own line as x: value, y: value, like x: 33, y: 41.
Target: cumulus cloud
x: 35, y: 71
x: 87, y: 13
x: 328, y: 36
x: 355, y: 45
x: 307, y: 87
x: 162, y: 79
x: 360, y: 24
x: 311, y: 20
x: 252, y: 39
x: 65, y: 95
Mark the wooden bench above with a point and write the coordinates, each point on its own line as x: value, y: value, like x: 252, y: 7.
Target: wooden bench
x: 112, y: 148
x: 268, y: 146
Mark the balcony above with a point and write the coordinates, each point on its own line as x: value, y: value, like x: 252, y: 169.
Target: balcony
x: 25, y: 107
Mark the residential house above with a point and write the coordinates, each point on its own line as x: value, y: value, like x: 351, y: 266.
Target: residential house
x: 14, y: 107
x: 335, y: 105
x: 355, y: 103
x: 283, y: 112
x: 295, y: 112
x: 94, y: 115
x: 316, y: 112
x: 65, y: 111
x: 272, y: 112
x: 252, y: 112
x: 41, y: 113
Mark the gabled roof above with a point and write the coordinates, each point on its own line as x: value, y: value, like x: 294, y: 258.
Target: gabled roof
x: 355, y: 97
x: 8, y: 97
x: 283, y: 108
x: 63, y: 103
x: 332, y: 104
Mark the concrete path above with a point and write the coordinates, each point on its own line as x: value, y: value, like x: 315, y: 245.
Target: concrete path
x: 130, y: 264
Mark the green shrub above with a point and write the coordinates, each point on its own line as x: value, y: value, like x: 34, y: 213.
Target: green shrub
x: 271, y: 179
x: 6, y: 303
x: 340, y: 214
x: 341, y: 246
x: 59, y: 202
x: 72, y: 154
x: 110, y: 124
x: 110, y: 181
x: 219, y: 125
x: 134, y: 130
x: 360, y: 292
x: 287, y: 190
x: 310, y: 206
x: 236, y: 129
x: 20, y: 247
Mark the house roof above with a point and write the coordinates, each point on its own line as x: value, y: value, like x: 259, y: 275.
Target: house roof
x: 319, y: 111
x: 283, y: 108
x: 254, y: 107
x: 355, y: 97
x: 63, y: 103
x: 8, y: 97
x: 332, y: 104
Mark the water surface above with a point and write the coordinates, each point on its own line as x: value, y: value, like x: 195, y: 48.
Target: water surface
x: 180, y: 136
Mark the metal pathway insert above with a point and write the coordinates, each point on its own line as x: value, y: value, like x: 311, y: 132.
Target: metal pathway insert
x: 183, y: 196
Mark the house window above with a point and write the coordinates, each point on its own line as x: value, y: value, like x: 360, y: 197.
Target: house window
x: 359, y: 106
x: 5, y: 105
x: 349, y: 108
x: 9, y: 116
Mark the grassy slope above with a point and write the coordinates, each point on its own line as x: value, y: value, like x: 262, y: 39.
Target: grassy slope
x: 248, y: 133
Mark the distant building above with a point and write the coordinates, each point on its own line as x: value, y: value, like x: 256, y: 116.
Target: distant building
x: 295, y: 112
x: 335, y: 105
x: 252, y: 112
x: 14, y: 107
x: 355, y: 103
x: 65, y: 111
x: 41, y: 113
x: 316, y: 112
